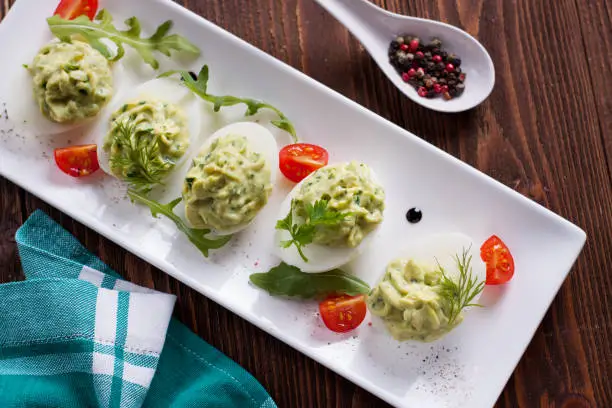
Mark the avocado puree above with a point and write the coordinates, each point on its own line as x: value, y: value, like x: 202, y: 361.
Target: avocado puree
x: 408, y: 301
x: 226, y: 185
x: 350, y: 189
x: 145, y: 140
x: 71, y: 81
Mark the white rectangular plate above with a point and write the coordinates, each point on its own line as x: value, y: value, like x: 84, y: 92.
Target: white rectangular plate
x: 465, y: 369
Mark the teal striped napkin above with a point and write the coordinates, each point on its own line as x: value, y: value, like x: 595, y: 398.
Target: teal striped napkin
x: 76, y: 335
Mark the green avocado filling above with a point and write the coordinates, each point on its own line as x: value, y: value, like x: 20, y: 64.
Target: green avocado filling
x: 145, y: 141
x: 226, y: 185
x: 71, y: 81
x: 348, y: 189
x: 409, y: 302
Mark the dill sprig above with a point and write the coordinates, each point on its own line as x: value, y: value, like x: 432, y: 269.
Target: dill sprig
x: 460, y: 292
x: 140, y: 155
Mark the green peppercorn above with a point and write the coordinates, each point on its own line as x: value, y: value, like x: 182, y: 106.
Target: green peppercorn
x: 399, y: 40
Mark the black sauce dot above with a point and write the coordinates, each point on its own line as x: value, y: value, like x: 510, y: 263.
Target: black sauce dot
x: 414, y: 215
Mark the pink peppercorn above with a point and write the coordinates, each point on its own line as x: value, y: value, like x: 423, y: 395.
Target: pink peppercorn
x: 414, y: 45
x: 450, y: 67
x: 436, y: 58
x: 422, y: 92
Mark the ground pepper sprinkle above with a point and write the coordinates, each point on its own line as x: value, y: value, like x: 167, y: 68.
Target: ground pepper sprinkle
x: 431, y: 70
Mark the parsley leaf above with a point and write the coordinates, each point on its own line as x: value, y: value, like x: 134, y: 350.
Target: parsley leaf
x: 199, y: 87
x: 196, y: 236
x: 287, y: 280
x: 303, y: 234
x: 102, y: 27
x: 460, y: 292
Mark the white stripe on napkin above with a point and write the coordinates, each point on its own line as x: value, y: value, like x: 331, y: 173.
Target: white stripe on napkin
x: 126, y: 286
x: 148, y: 319
x: 103, y: 363
x: 106, y: 315
x: 91, y: 275
x: 138, y: 375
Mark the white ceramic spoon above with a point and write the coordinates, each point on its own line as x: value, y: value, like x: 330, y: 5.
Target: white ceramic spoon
x: 375, y: 28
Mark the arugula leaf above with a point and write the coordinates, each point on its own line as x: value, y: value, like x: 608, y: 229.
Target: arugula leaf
x: 460, y: 292
x: 303, y: 234
x: 102, y: 27
x: 196, y: 236
x: 199, y: 87
x: 287, y: 280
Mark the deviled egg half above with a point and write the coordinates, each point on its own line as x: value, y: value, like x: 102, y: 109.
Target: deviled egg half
x: 421, y: 296
x: 71, y: 84
x: 151, y: 130
x: 338, y: 207
x: 230, y: 178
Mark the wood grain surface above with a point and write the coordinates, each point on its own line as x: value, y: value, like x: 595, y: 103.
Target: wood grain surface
x: 546, y: 131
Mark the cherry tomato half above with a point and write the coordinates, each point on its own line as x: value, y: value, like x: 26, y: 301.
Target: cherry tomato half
x: 298, y: 160
x: 77, y: 161
x: 343, y: 313
x: 71, y: 9
x: 497, y: 256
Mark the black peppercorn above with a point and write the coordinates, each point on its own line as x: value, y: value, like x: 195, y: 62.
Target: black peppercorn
x: 444, y: 55
x: 427, y: 55
x: 431, y: 66
x: 452, y: 92
x: 457, y: 62
x: 452, y: 83
x: 460, y: 88
x: 457, y: 70
x: 442, y: 81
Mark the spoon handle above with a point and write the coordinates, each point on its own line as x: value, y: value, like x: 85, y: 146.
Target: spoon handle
x: 362, y: 18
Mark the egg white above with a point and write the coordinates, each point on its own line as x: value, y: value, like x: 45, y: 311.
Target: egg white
x: 25, y: 112
x: 321, y: 258
x: 442, y: 248
x: 260, y: 140
x: 163, y: 89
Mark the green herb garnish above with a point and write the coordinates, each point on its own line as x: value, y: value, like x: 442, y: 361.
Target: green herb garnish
x: 287, y: 280
x: 199, y: 87
x: 303, y: 234
x: 140, y: 153
x: 460, y: 292
x: 93, y: 32
x: 196, y: 236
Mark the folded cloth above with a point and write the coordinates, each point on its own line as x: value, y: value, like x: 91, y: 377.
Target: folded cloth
x: 76, y: 335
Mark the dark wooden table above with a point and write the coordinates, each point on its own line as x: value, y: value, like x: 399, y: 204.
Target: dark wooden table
x: 546, y: 131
